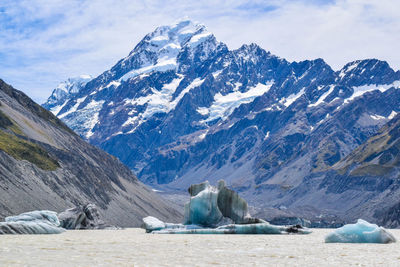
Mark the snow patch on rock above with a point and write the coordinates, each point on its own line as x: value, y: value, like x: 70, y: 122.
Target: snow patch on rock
x: 224, y: 105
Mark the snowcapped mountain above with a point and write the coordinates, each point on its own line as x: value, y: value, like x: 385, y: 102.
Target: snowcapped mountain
x: 182, y: 108
x: 64, y: 92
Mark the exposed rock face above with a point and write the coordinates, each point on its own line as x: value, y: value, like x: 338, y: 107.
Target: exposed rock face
x: 208, y: 205
x: 82, y: 217
x: 34, y: 222
x: 45, y: 165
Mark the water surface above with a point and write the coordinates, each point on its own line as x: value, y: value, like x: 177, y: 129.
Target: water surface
x: 132, y: 247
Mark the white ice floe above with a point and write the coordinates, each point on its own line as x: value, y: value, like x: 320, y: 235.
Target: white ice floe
x: 360, y: 232
x: 152, y: 224
x: 34, y: 222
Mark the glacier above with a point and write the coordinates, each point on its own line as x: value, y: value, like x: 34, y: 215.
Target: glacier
x: 360, y: 232
x: 33, y: 222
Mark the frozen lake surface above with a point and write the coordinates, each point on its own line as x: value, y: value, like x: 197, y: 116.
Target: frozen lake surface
x: 132, y: 247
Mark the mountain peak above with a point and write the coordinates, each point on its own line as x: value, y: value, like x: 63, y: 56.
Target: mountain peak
x: 175, y: 35
x: 158, y: 50
x: 367, y: 71
x: 65, y: 90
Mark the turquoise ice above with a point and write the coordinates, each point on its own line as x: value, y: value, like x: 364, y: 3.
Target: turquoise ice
x: 209, y: 207
x: 360, y: 232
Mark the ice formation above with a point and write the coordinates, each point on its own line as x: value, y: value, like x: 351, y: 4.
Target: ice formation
x: 82, y: 217
x: 243, y: 229
x: 203, y: 206
x: 152, y: 224
x: 208, y: 205
x: 34, y: 222
x: 211, y: 206
x: 360, y: 232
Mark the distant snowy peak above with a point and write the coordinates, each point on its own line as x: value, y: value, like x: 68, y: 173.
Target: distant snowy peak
x: 70, y: 86
x: 366, y: 72
x: 159, y: 50
x: 65, y: 90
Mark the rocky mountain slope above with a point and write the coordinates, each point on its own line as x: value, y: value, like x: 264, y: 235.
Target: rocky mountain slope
x: 182, y: 108
x: 45, y: 165
x: 364, y: 184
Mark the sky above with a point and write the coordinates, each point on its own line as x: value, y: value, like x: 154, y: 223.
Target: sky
x: 44, y: 42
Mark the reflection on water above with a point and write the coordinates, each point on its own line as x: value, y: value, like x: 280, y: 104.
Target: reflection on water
x: 133, y: 247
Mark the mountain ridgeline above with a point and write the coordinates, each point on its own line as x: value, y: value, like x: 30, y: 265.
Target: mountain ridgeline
x: 182, y: 108
x: 45, y: 165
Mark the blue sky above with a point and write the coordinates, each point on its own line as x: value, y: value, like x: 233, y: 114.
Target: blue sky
x: 43, y: 42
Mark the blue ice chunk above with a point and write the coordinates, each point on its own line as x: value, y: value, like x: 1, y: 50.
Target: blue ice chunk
x: 360, y: 232
x: 34, y: 222
x: 203, y: 208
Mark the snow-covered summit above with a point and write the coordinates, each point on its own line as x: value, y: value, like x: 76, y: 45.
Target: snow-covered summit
x: 64, y: 91
x: 159, y: 50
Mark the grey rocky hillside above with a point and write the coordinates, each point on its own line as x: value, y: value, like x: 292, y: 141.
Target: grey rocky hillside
x: 45, y: 165
x: 182, y: 108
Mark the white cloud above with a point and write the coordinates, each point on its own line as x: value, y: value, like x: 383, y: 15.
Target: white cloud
x: 45, y: 41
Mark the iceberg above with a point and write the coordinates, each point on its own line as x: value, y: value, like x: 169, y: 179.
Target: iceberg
x: 209, y: 207
x: 82, y: 218
x: 360, y: 232
x: 33, y: 222
x: 152, y: 224
x: 242, y: 229
x: 203, y: 206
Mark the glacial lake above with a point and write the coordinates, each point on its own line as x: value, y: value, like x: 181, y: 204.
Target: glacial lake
x: 132, y: 247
